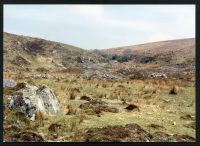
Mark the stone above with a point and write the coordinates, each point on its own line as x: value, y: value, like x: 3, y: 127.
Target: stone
x: 34, y: 99
x: 157, y: 75
x: 8, y: 83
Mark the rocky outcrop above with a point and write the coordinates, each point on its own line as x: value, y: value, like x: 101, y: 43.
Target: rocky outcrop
x: 32, y: 99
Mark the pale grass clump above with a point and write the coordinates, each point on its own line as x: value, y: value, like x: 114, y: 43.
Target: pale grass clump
x: 82, y: 117
x: 72, y: 95
x: 63, y: 87
x: 112, y: 96
x: 40, y: 117
x: 73, y: 92
x: 73, y: 125
x: 149, y: 90
x: 104, y: 85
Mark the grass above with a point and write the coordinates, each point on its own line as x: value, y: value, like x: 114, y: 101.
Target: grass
x: 152, y: 96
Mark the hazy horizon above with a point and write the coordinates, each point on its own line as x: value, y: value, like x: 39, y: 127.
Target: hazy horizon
x: 101, y: 26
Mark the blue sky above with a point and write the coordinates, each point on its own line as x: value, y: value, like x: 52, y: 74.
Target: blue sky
x: 101, y: 26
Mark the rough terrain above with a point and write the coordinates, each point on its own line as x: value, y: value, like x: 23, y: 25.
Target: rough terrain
x: 59, y: 92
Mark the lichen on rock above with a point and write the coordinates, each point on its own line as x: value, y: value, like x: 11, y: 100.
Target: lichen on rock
x: 34, y: 99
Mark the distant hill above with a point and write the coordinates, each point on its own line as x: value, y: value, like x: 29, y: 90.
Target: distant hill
x: 171, y: 51
x: 24, y: 50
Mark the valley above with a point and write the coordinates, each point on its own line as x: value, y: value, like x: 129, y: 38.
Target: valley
x: 140, y: 93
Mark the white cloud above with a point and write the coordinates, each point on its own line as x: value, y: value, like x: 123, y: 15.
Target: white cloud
x: 87, y: 11
x: 159, y: 37
x: 138, y: 25
x: 97, y: 9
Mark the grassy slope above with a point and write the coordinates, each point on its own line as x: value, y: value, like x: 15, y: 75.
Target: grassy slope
x: 180, y: 50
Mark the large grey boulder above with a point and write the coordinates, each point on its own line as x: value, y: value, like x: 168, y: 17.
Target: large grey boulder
x: 32, y: 99
x: 8, y: 83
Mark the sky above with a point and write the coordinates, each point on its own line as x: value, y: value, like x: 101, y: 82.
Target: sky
x: 101, y: 26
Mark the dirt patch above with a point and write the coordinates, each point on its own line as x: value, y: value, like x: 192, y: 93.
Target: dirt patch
x: 128, y: 133
x: 155, y: 126
x: 174, y: 90
x: 42, y: 70
x: 132, y: 107
x: 187, y: 117
x: 15, y: 133
x: 54, y: 127
x: 112, y: 134
x: 85, y: 98
x: 183, y: 138
x: 97, y: 106
x: 191, y: 125
x: 28, y: 136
